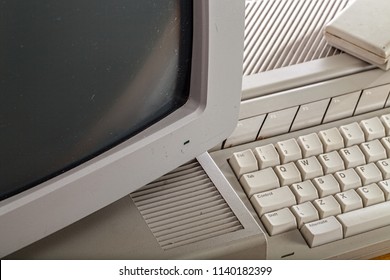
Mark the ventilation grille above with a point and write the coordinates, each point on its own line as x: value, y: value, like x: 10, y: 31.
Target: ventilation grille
x: 280, y: 33
x: 184, y: 207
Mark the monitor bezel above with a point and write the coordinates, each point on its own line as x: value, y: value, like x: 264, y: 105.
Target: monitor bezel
x: 207, y: 118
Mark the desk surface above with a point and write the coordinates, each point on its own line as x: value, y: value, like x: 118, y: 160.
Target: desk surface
x: 384, y: 257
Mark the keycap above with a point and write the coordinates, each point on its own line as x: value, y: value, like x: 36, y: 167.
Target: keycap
x: 289, y: 150
x: 372, y: 128
x: 310, y: 145
x: 352, y: 156
x: 386, y: 123
x: 331, y: 162
x: 273, y: 200
x: 309, y: 168
x: 243, y: 162
x: 386, y: 144
x: 288, y: 174
x: 331, y: 139
x: 304, y: 191
x: 369, y: 173
x: 373, y: 150
x: 371, y: 194
x: 304, y: 213
x: 323, y: 231
x: 352, y: 134
x: 349, y: 200
x: 267, y: 156
x: 259, y: 181
x: 372, y: 99
x: 348, y: 179
x: 326, y: 185
x: 385, y: 187
x: 365, y: 219
x: 327, y: 206
x: 279, y: 221
x: 384, y: 167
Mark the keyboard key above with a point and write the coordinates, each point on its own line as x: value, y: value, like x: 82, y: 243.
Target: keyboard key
x: 310, y: 145
x: 348, y: 179
x: 243, y: 162
x: 386, y: 144
x: 373, y: 128
x: 279, y: 221
x: 288, y: 174
x: 273, y: 200
x: 259, y: 181
x: 289, y: 150
x: 373, y: 150
x: 352, y: 156
x: 323, y: 231
x: 304, y: 191
x: 384, y: 167
x: 331, y: 162
x: 352, y: 134
x: 349, y: 200
x: 331, y: 139
x: 371, y: 194
x: 385, y: 187
x: 305, y: 213
x: 369, y: 173
x: 267, y: 156
x: 386, y: 123
x: 310, y: 168
x: 326, y: 185
x: 365, y: 219
x: 327, y: 206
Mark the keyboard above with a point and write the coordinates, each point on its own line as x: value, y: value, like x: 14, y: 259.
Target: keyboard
x: 320, y: 191
x: 330, y: 185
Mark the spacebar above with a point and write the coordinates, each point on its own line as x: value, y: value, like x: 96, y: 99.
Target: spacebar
x: 365, y: 219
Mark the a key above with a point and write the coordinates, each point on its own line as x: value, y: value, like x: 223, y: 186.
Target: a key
x: 279, y: 221
x: 352, y: 157
x: 365, y: 219
x: 304, y: 191
x: 323, y: 231
x: 243, y: 162
x: 385, y: 187
x: 288, y: 174
x: 326, y: 185
x: 259, y: 181
x: 327, y: 206
x: 289, y: 150
x: 349, y: 200
x: 331, y: 139
x: 348, y: 179
x: 310, y: 145
x: 310, y: 168
x: 304, y: 213
x: 384, y: 167
x: 352, y: 134
x: 273, y: 200
x: 371, y: 194
x: 373, y: 150
x: 386, y: 123
x: 369, y: 173
x: 372, y: 128
x: 331, y: 162
x: 267, y: 156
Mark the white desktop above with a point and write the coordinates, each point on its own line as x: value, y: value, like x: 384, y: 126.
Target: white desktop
x: 305, y: 107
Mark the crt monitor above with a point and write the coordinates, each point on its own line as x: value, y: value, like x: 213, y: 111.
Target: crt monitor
x: 98, y: 98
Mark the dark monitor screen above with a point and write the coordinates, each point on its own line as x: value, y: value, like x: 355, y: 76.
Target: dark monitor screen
x: 78, y: 77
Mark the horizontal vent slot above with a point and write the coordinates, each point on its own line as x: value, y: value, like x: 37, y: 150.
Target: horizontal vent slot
x: 280, y: 33
x: 184, y: 207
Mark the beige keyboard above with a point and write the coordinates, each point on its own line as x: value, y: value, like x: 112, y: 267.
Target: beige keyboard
x: 330, y: 185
